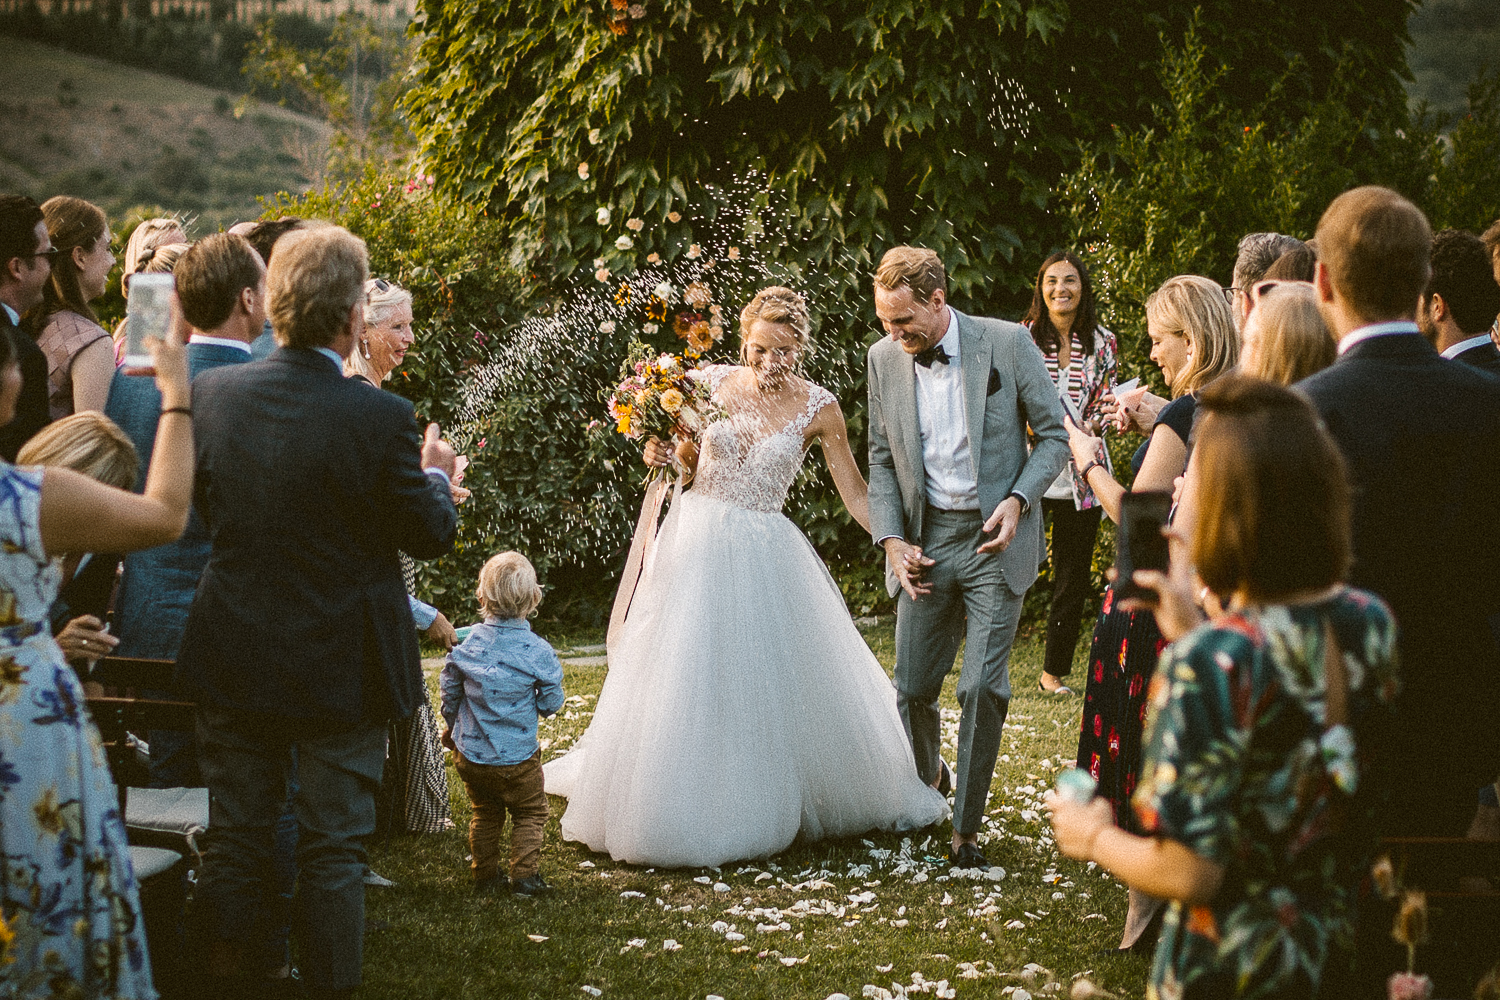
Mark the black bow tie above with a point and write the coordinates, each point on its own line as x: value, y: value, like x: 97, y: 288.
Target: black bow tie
x: 934, y: 355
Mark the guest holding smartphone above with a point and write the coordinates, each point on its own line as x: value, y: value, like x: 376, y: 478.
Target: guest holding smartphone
x: 1260, y: 795
x: 1194, y: 342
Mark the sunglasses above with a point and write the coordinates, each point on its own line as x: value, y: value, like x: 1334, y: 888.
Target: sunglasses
x: 1263, y: 288
x: 378, y: 285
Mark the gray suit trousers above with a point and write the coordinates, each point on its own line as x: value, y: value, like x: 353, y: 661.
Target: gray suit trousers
x: 969, y: 601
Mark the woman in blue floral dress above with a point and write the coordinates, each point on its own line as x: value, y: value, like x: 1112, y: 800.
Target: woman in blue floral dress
x: 1260, y: 789
x: 72, y: 916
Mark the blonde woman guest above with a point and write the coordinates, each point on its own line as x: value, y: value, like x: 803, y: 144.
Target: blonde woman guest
x: 80, y: 354
x: 1285, y: 338
x: 417, y: 760
x: 1193, y: 341
x: 148, y: 255
x: 94, y: 445
x: 1081, y: 358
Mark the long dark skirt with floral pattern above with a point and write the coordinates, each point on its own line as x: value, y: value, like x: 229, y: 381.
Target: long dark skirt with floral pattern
x: 1122, y: 658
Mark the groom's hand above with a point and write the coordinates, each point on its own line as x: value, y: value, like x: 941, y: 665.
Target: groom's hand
x: 908, y: 563
x: 1002, y: 524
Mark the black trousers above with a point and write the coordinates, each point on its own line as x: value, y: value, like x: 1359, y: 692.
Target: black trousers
x: 1073, y: 535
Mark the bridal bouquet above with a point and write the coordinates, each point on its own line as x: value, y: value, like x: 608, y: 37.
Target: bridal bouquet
x: 660, y: 395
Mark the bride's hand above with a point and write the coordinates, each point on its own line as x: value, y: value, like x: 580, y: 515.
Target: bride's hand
x: 658, y: 453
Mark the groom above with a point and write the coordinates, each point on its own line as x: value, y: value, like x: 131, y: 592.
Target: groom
x: 952, y: 489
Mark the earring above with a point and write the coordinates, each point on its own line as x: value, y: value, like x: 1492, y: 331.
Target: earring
x: 365, y: 349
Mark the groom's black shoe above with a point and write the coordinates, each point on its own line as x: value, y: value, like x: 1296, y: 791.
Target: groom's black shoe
x: 945, y: 778
x: 969, y: 856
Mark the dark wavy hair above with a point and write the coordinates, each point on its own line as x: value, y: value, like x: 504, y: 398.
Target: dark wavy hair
x: 1040, y: 320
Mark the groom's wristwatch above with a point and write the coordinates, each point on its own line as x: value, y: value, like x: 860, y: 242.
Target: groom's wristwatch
x: 1025, y: 504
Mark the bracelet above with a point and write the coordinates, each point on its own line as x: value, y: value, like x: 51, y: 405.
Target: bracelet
x: 188, y: 410
x: 1095, y: 464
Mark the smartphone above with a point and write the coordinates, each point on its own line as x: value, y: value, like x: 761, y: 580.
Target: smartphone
x: 148, y: 313
x: 1070, y: 410
x: 1140, y: 544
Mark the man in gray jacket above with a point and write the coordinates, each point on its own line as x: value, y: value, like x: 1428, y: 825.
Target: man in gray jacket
x: 952, y: 489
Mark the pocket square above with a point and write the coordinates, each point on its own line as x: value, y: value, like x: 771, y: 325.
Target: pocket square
x: 994, y: 383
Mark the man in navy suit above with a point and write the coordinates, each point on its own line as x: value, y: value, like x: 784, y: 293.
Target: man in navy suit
x: 1418, y: 434
x: 221, y: 285
x: 300, y: 643
x: 25, y: 265
x: 1461, y: 301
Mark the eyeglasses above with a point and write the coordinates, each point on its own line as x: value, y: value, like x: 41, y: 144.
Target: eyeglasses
x: 1229, y: 293
x: 50, y: 253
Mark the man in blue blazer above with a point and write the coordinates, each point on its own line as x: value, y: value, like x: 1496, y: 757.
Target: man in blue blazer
x: 300, y: 641
x: 222, y: 290
x: 1418, y: 434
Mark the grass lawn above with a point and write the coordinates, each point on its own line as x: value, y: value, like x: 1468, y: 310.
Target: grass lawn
x: 816, y: 920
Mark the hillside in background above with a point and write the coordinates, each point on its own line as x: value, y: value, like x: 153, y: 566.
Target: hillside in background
x: 124, y: 137
x: 1451, y: 41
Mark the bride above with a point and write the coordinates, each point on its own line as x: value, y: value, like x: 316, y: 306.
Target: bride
x: 742, y: 707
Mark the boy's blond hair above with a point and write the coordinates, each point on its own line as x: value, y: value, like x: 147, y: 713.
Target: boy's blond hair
x: 508, y: 587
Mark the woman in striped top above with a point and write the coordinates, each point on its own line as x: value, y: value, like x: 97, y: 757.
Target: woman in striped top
x: 1081, y: 358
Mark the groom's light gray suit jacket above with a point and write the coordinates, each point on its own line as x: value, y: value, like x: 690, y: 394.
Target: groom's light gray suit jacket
x: 1005, y: 387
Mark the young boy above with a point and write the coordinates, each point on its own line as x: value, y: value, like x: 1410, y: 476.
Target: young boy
x: 494, y: 686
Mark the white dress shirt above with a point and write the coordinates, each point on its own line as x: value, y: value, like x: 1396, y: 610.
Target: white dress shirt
x: 1376, y: 330
x: 203, y: 338
x: 944, y: 423
x: 1463, y: 345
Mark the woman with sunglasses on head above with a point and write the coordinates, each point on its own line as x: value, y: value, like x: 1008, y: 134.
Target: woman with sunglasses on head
x: 80, y: 353
x: 1263, y: 780
x: 416, y: 762
x: 1194, y: 342
x: 1285, y: 339
x: 1081, y: 358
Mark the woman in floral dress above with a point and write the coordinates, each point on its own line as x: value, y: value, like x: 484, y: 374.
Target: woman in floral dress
x: 1262, y: 775
x: 71, y: 910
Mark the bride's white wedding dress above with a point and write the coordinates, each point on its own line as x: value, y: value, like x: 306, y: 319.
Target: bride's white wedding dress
x: 742, y: 706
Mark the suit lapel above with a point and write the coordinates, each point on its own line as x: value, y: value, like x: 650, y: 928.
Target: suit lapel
x: 974, y: 352
x: 901, y: 376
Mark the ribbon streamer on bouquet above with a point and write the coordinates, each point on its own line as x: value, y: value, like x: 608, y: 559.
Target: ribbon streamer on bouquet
x: 640, y: 553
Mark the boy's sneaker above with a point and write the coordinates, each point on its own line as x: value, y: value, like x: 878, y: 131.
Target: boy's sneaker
x: 532, y: 885
x: 494, y: 885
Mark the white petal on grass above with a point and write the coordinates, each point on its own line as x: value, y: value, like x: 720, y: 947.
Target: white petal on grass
x: 632, y: 894
x: 592, y: 991
x: 720, y: 887
x: 885, y: 968
x: 536, y: 937
x: 670, y: 944
x: 585, y: 864
x: 703, y: 879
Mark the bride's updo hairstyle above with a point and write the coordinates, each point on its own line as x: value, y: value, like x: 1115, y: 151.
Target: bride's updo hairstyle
x: 508, y: 587
x: 781, y: 306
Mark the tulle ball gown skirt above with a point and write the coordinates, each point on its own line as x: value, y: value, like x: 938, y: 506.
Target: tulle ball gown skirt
x: 741, y: 707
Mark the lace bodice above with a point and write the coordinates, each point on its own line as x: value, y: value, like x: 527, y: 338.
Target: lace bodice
x: 741, y: 464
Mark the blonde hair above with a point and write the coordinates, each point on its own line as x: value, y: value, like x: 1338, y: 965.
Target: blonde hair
x: 1194, y: 307
x: 508, y: 587
x: 378, y: 305
x: 779, y: 305
x: 917, y: 268
x: 86, y: 442
x: 1294, y: 340
x: 147, y: 241
x: 316, y: 279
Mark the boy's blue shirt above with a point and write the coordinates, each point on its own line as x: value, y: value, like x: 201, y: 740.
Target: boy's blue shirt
x: 494, y: 686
